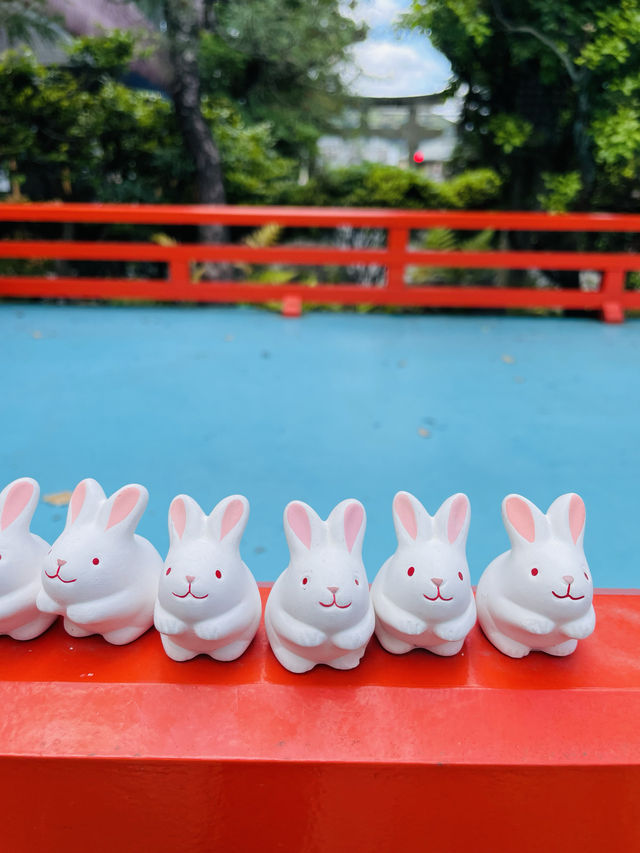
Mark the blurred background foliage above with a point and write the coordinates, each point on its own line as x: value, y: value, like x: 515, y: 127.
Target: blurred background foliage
x: 268, y: 88
x: 550, y: 116
x: 549, y: 91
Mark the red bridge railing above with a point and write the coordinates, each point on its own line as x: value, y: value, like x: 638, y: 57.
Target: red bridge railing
x: 611, y: 298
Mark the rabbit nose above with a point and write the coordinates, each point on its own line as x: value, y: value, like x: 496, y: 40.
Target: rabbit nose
x: 333, y: 589
x: 437, y: 581
x: 568, y: 579
x: 61, y: 562
x: 190, y: 578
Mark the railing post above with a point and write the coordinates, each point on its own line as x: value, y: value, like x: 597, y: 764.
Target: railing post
x: 291, y: 305
x: 612, y: 288
x: 397, y: 240
x: 179, y: 271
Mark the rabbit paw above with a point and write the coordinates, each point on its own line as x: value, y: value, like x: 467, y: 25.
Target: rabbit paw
x: 122, y: 636
x: 447, y: 649
x: 562, y: 649
x: 34, y: 628
x: 349, y: 661
x: 392, y: 644
x: 292, y: 662
x: 46, y: 604
x: 168, y: 624
x: 352, y: 639
x: 176, y: 652
x: 76, y: 630
x: 538, y: 625
x: 449, y: 632
x: 230, y: 652
x: 210, y: 629
x: 580, y: 628
x: 413, y: 626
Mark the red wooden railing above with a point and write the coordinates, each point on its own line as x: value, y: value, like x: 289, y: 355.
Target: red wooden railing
x: 611, y: 298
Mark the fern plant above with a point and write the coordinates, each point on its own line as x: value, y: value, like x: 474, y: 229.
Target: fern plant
x: 447, y: 240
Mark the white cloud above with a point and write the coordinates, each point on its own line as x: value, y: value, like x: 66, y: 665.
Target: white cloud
x: 391, y: 62
x: 374, y: 13
x: 386, y: 68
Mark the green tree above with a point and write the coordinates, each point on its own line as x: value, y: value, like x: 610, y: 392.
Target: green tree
x: 275, y: 59
x: 552, y: 95
x: 278, y: 60
x: 22, y: 20
x: 78, y: 133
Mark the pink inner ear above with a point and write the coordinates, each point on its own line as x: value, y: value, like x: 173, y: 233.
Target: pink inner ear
x: 77, y: 499
x: 124, y: 503
x: 520, y: 515
x: 299, y: 523
x: 352, y: 522
x: 17, y: 499
x: 178, y: 513
x: 577, y: 515
x: 404, y: 511
x: 457, y: 518
x: 232, y: 515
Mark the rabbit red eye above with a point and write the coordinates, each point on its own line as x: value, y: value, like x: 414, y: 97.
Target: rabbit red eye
x: 95, y: 561
x: 357, y: 582
x: 461, y: 576
x: 305, y: 581
x: 218, y: 573
x: 534, y: 572
x: 586, y: 576
x: 168, y: 572
x: 410, y: 571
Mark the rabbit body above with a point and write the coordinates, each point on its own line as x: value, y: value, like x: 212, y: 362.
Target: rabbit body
x: 422, y: 595
x: 99, y: 574
x: 538, y: 596
x: 208, y: 600
x: 21, y: 555
x: 319, y: 609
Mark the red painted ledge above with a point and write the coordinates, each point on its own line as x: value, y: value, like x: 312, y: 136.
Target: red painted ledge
x: 473, y: 753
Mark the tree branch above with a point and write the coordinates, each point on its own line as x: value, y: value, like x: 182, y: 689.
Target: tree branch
x: 563, y: 57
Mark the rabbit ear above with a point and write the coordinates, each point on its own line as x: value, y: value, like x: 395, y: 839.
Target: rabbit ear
x: 452, y: 520
x: 523, y: 520
x: 410, y: 519
x: 229, y: 519
x: 186, y: 519
x: 87, y: 498
x: 303, y: 528
x: 18, y: 502
x: 347, y: 523
x: 568, y: 515
x: 122, y: 512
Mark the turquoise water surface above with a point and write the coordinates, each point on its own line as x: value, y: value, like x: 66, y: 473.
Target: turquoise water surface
x: 211, y: 401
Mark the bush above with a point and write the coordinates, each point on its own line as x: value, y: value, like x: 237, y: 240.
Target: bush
x: 377, y: 185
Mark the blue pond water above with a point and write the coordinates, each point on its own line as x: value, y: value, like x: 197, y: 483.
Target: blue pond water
x: 213, y: 401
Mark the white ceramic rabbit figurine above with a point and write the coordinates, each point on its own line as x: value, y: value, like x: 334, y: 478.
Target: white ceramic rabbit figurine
x: 319, y: 610
x: 21, y: 555
x: 208, y: 600
x: 538, y: 595
x: 422, y: 595
x: 99, y: 574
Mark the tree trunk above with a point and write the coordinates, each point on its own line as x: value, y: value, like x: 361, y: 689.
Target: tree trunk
x: 184, y: 20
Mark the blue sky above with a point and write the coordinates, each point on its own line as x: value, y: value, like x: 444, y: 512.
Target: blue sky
x: 388, y: 63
